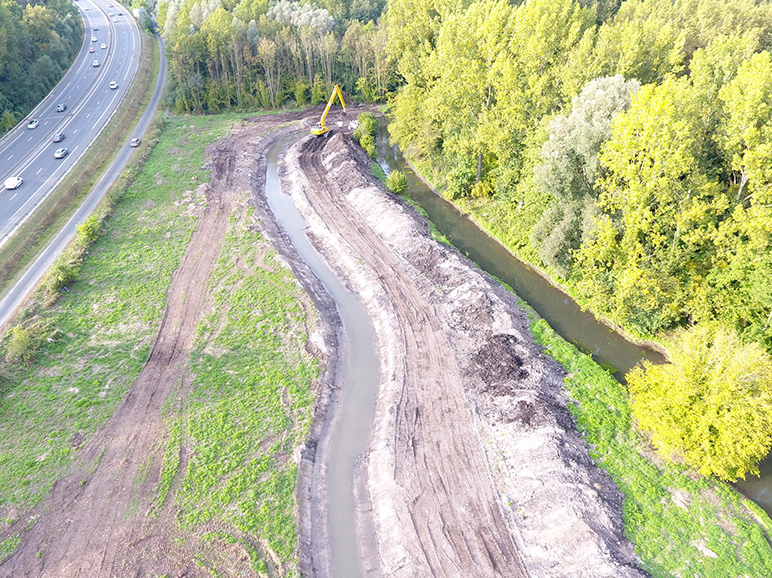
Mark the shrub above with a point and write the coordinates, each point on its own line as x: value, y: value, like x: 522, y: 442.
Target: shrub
x: 19, y: 346
x: 88, y: 231
x: 368, y: 143
x: 317, y: 90
x: 300, y: 91
x: 396, y: 182
x: 712, y: 405
x: 481, y: 190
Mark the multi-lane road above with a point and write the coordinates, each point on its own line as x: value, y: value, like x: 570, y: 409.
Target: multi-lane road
x: 85, y: 89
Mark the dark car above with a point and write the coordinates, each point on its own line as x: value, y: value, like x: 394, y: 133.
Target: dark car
x: 61, y: 153
x: 61, y: 107
x: 59, y: 137
x: 135, y: 142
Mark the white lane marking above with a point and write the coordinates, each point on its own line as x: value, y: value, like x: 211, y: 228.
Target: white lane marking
x: 69, y: 97
x: 76, y: 130
x: 45, y: 123
x: 14, y: 196
x: 88, y: 115
x: 40, y: 169
x: 10, y: 157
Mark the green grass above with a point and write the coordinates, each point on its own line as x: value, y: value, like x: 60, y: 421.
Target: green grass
x: 105, y: 325
x: 250, y: 407
x: 250, y: 402
x: 669, y: 511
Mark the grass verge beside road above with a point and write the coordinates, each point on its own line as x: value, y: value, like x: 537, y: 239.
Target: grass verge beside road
x: 681, y: 523
x: 20, y: 251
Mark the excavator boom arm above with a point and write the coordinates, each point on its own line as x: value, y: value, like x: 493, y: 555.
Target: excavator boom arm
x: 335, y: 92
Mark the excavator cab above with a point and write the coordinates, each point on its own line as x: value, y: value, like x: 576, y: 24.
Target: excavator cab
x: 322, y: 128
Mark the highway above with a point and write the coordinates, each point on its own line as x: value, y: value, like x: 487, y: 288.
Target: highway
x: 29, y: 153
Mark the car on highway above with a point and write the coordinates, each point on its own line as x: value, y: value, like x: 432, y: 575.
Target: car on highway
x: 93, y: 39
x: 113, y: 85
x: 95, y: 64
x: 95, y: 28
x: 13, y: 183
x: 61, y: 107
x: 103, y: 46
x: 59, y: 137
x: 33, y: 123
x: 91, y: 49
x: 135, y: 142
x: 110, y: 15
x: 60, y: 153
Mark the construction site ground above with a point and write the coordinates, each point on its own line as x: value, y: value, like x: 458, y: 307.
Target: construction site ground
x: 474, y: 466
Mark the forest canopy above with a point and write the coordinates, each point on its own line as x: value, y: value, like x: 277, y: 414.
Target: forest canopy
x: 625, y: 148
x: 38, y: 41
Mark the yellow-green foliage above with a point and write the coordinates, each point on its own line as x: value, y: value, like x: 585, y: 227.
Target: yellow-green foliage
x: 396, y: 182
x: 712, y: 405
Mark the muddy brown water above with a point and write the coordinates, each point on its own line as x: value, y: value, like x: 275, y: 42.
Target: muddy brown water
x: 607, y: 347
x: 357, y: 376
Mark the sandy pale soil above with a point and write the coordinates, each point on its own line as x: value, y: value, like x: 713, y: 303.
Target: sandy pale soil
x: 475, y: 467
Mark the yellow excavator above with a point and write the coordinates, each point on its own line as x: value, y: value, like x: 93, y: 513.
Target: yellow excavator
x: 321, y: 128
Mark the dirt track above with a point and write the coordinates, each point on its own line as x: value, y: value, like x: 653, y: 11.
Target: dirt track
x: 475, y: 468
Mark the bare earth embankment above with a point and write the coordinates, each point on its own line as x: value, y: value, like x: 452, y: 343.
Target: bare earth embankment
x: 475, y: 467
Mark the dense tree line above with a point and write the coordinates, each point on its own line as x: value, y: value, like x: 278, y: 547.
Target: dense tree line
x: 38, y: 41
x: 246, y: 54
x: 645, y: 139
x: 627, y: 148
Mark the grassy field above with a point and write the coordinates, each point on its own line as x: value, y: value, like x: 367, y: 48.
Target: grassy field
x: 249, y: 408
x: 681, y: 523
x: 250, y: 401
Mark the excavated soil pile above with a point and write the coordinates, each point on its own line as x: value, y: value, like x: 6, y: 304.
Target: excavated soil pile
x: 475, y: 466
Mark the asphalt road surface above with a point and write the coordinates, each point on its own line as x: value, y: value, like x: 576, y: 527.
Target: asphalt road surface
x: 85, y: 89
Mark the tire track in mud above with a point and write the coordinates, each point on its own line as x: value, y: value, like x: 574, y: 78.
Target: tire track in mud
x: 88, y: 527
x: 453, y: 508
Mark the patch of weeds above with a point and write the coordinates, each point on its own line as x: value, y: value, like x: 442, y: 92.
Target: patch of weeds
x: 144, y: 470
x: 169, y: 467
x: 9, y: 545
x: 673, y: 516
x: 377, y: 172
x: 251, y: 401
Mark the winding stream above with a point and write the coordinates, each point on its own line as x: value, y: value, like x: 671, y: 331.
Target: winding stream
x: 357, y: 377
x: 564, y: 315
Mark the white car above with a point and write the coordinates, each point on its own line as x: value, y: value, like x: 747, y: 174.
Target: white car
x: 95, y: 64
x: 13, y: 183
x: 33, y: 123
x: 60, y: 153
x: 113, y: 85
x: 93, y: 39
x: 103, y: 46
